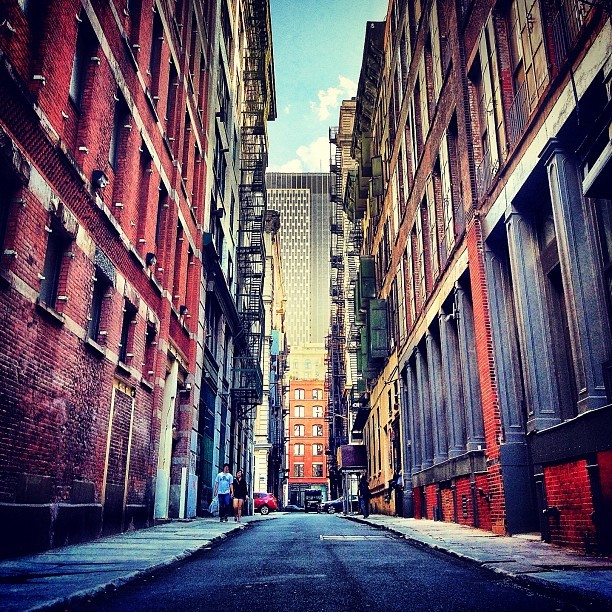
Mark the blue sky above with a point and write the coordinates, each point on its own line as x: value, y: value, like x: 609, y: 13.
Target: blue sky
x: 318, y: 46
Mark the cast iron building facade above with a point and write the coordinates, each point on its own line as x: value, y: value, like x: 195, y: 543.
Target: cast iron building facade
x: 482, y: 136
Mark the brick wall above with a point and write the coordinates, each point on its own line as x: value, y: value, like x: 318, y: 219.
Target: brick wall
x: 569, y: 490
x: 57, y: 387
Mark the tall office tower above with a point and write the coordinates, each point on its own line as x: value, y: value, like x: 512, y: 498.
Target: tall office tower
x: 302, y: 199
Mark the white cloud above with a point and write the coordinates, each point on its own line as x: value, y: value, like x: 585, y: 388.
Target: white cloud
x: 313, y: 157
x: 331, y: 97
x: 295, y: 165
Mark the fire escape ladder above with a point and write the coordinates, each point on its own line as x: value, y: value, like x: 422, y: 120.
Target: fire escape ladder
x: 247, y: 388
x: 336, y: 412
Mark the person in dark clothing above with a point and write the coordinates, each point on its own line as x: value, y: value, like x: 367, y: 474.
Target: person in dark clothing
x: 241, y: 494
x: 364, y: 496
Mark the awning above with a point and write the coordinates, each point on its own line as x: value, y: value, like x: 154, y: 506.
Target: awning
x: 352, y: 458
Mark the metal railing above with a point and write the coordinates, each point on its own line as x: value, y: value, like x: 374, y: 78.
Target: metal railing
x: 566, y: 27
x: 485, y: 171
x: 518, y: 114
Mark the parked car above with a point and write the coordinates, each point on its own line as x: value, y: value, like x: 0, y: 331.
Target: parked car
x: 293, y: 508
x: 265, y: 502
x: 333, y: 506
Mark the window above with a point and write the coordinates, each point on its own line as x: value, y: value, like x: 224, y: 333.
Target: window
x: 150, y: 344
x: 298, y: 411
x: 317, y: 430
x: 486, y: 80
x: 171, y: 107
x: 7, y: 195
x: 530, y: 70
x: 317, y: 450
x: 317, y: 412
x: 179, y: 265
x: 223, y: 96
x: 317, y: 394
x: 120, y: 118
x: 85, y: 49
x: 157, y: 39
x: 162, y: 204
x: 298, y: 394
x: 447, y: 196
x: 127, y: 335
x: 97, y: 313
x: 298, y: 450
x: 219, y: 167
x: 420, y: 245
x: 317, y: 470
x: 298, y: 470
x: 212, y: 317
x: 298, y: 431
x: 436, y: 58
x: 57, y: 245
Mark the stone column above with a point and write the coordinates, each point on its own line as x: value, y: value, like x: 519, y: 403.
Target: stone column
x: 436, y: 396
x: 585, y: 301
x: 532, y: 323
x: 413, y: 418
x: 424, y: 410
x: 505, y: 347
x: 469, y: 371
x: 406, y: 445
x: 453, y: 386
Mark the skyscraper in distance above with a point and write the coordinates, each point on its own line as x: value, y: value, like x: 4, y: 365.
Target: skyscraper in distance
x: 302, y: 200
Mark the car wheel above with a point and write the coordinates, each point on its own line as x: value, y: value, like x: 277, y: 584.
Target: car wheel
x: 331, y: 510
x: 264, y: 510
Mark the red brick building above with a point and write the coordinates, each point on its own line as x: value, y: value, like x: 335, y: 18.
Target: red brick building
x: 104, y: 148
x: 307, y: 439
x: 482, y: 136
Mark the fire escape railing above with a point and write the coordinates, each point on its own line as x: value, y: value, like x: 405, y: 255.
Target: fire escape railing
x: 336, y: 413
x: 247, y: 386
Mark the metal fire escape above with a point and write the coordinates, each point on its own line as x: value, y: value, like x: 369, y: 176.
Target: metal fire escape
x: 337, y: 413
x: 248, y: 379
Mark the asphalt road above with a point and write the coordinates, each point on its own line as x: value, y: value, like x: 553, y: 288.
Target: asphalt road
x: 311, y: 562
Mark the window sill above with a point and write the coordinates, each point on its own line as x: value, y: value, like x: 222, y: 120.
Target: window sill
x: 147, y: 385
x: 50, y: 313
x: 124, y: 369
x: 95, y: 348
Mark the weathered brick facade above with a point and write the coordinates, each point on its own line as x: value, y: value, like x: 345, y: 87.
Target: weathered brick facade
x: 100, y: 282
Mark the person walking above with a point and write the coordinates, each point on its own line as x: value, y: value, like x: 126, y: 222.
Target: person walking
x: 224, y: 490
x: 364, y: 496
x: 241, y: 494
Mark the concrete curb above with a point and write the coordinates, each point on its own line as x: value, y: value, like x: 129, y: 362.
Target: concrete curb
x: 79, y: 596
x: 572, y: 595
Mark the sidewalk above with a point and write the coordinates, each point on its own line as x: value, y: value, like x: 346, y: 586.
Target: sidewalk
x: 580, y: 579
x: 63, y: 575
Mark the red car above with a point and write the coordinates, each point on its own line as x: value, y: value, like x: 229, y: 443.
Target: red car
x: 264, y: 502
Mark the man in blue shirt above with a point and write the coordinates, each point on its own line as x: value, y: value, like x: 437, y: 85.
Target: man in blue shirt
x: 224, y: 489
